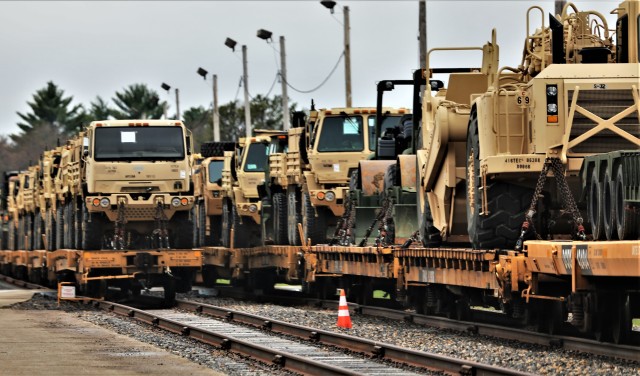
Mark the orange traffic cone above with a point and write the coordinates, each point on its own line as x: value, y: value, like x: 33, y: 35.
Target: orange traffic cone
x: 344, y: 321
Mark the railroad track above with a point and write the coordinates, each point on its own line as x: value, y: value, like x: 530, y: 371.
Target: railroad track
x: 269, y: 341
x: 626, y: 352
x: 21, y: 283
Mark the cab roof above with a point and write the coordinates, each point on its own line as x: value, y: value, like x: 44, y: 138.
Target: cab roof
x: 136, y: 123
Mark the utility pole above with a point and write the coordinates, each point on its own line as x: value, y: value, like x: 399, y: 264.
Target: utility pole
x: 347, y: 55
x: 216, y: 115
x: 283, y: 78
x: 177, y: 104
x: 422, y: 29
x: 247, y: 105
x: 559, y: 5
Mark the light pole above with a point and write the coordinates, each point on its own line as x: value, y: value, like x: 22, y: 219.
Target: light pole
x: 245, y: 79
x: 168, y: 88
x: 215, y: 113
x: 347, y: 47
x: 266, y: 35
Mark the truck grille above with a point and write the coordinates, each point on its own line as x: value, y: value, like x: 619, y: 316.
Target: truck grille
x: 604, y: 104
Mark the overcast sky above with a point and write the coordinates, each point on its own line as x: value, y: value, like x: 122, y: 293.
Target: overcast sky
x: 91, y: 48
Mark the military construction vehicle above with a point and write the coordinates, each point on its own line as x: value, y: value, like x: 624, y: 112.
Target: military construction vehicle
x: 489, y: 140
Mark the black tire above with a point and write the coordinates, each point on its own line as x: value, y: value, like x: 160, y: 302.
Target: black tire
x: 184, y: 229
x: 50, y: 230
x: 21, y: 233
x: 68, y: 226
x: 390, y: 180
x: 429, y: 234
x: 37, y: 231
x: 280, y: 229
x: 226, y: 224
x: 241, y: 235
x: 594, y: 207
x: 215, y: 228
x: 91, y: 228
x: 610, y: 229
x: 354, y: 181
x: 28, y: 232
x: 506, y: 203
x: 627, y: 219
x: 60, y: 227
x: 195, y: 229
x: 76, y: 229
x: 13, y: 233
x: 202, y: 223
x: 314, y: 226
x: 293, y: 216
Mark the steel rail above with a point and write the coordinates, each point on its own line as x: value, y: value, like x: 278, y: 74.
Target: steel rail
x: 21, y: 283
x: 264, y: 354
x: 368, y: 347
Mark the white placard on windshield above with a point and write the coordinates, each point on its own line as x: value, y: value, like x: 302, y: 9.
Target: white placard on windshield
x: 127, y: 137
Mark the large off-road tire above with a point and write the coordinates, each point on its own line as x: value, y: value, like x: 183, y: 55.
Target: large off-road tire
x: 182, y: 236
x: 241, y: 229
x: 28, y: 232
x: 37, y: 231
x: 627, y: 219
x: 50, y: 229
x: 21, y: 233
x: 91, y: 229
x: 195, y: 229
x: 76, y: 234
x: 506, y: 203
x: 69, y: 222
x: 594, y: 207
x: 314, y: 226
x: 429, y: 234
x: 293, y: 216
x: 13, y: 233
x: 202, y: 222
x: 226, y: 224
x: 610, y: 229
x: 280, y: 229
x: 60, y: 227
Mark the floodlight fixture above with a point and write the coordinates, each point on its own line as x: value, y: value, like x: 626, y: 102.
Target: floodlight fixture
x: 264, y: 34
x: 329, y: 4
x: 202, y: 72
x: 230, y: 43
x: 165, y: 87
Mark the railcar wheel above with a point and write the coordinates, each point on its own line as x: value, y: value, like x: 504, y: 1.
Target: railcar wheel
x: 314, y: 226
x: 60, y: 227
x: 280, y: 214
x: 169, y: 286
x: 594, y: 207
x: 622, y: 320
x: 226, y: 224
x: 293, y: 216
x: 627, y: 219
x: 462, y: 309
x: 97, y: 288
x: 506, y: 203
x: 209, y: 275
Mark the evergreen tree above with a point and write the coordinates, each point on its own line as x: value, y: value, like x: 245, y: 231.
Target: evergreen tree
x: 137, y: 101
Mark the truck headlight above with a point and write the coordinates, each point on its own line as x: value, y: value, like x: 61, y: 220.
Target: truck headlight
x: 175, y: 202
x: 105, y: 203
x: 253, y: 208
x: 330, y: 196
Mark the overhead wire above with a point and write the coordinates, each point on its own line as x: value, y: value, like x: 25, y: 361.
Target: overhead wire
x: 322, y: 83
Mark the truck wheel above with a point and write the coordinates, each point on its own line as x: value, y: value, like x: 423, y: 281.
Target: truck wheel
x: 202, y: 222
x: 610, y: 229
x: 12, y: 234
x: 76, y: 229
x: 314, y: 227
x: 507, y: 203
x: 390, y: 180
x: 226, y: 224
x: 91, y: 229
x: 68, y: 223
x: 21, y: 233
x: 430, y: 235
x: 49, y: 230
x: 241, y: 234
x: 59, y: 227
x: 28, y: 232
x: 280, y: 229
x: 293, y: 216
x: 627, y: 219
x: 195, y: 229
x: 594, y: 207
x: 37, y: 230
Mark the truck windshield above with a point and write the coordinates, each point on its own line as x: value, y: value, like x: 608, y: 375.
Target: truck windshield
x: 388, y: 122
x: 215, y: 171
x: 257, y: 159
x: 341, y: 133
x: 139, y: 143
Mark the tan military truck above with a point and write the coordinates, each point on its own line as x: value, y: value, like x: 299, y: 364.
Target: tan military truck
x: 126, y: 184
x: 208, y: 192
x: 321, y: 158
x: 44, y: 220
x: 243, y: 176
x: 26, y: 207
